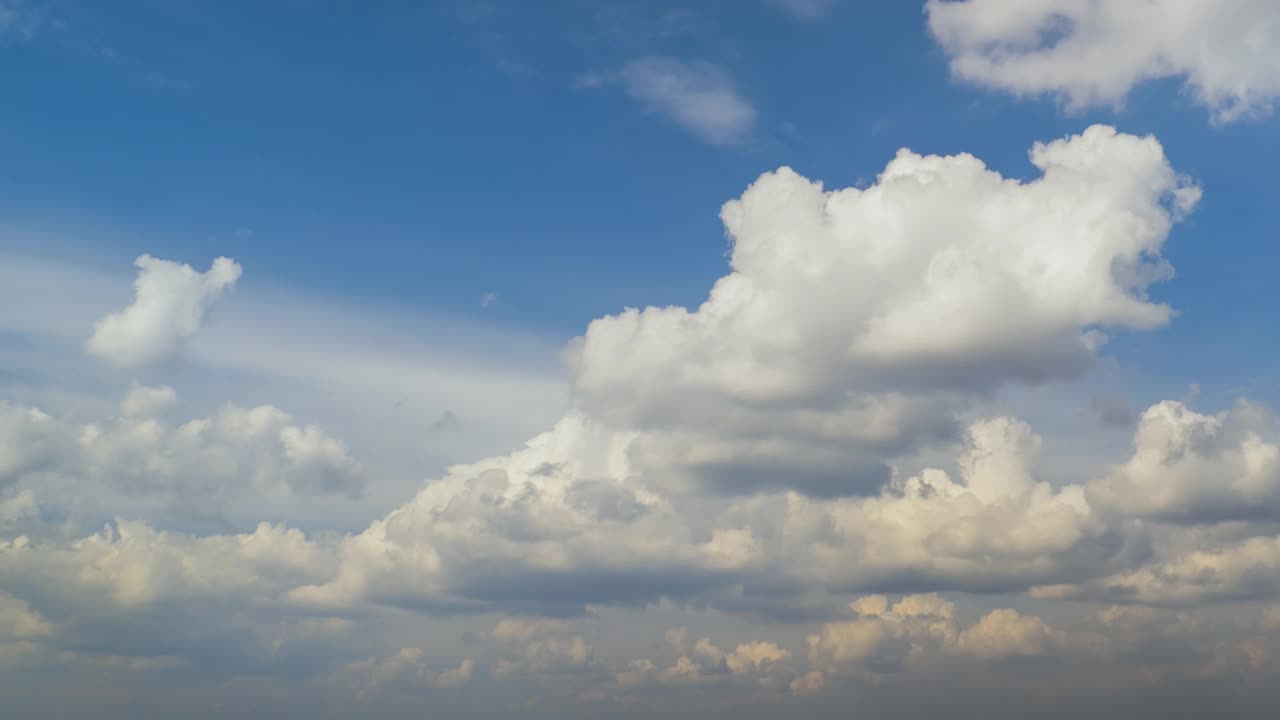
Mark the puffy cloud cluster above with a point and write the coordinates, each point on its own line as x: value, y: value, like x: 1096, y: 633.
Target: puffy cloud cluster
x: 1189, y: 467
x: 133, y: 565
x: 1090, y: 53
x: 763, y: 663
x: 171, y: 302
x: 235, y: 454
x: 919, y: 629
x: 568, y: 521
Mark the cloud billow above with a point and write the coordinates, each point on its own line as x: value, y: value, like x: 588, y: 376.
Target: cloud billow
x: 171, y: 302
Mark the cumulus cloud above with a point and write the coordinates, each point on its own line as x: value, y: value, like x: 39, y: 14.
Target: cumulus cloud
x: 521, y: 531
x: 920, y: 630
x: 1188, y: 467
x: 1195, y: 570
x: 171, y: 302
x: 1095, y: 53
x: 697, y: 96
x: 131, y: 564
x: 941, y: 280
x: 235, y: 454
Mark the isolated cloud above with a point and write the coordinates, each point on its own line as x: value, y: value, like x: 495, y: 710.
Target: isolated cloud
x: 1227, y: 55
x: 698, y: 96
x: 171, y: 302
x: 804, y: 9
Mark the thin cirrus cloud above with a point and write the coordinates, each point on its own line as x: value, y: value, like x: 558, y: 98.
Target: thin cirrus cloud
x: 805, y: 10
x: 698, y: 96
x: 1226, y: 55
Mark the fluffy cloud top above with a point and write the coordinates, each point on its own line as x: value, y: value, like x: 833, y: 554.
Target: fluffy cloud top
x: 1191, y: 468
x: 171, y: 302
x: 921, y: 629
x: 855, y: 320
x: 1090, y: 52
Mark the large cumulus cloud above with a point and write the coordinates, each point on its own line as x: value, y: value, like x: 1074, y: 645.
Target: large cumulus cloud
x: 855, y: 320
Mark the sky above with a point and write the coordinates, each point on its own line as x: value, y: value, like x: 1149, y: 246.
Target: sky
x: 606, y: 358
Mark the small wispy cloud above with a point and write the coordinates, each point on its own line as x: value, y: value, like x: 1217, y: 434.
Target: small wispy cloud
x: 804, y: 9
x: 489, y: 299
x: 698, y: 96
x: 20, y: 19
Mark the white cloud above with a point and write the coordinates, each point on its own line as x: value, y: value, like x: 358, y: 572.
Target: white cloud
x: 236, y: 455
x: 1091, y: 53
x: 568, y: 521
x: 131, y: 564
x: 1189, y: 467
x: 30, y: 440
x: 171, y: 302
x: 698, y: 96
x: 1007, y: 633
x: 920, y: 630
x: 855, y: 321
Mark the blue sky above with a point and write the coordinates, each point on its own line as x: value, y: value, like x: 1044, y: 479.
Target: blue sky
x: 403, y: 448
